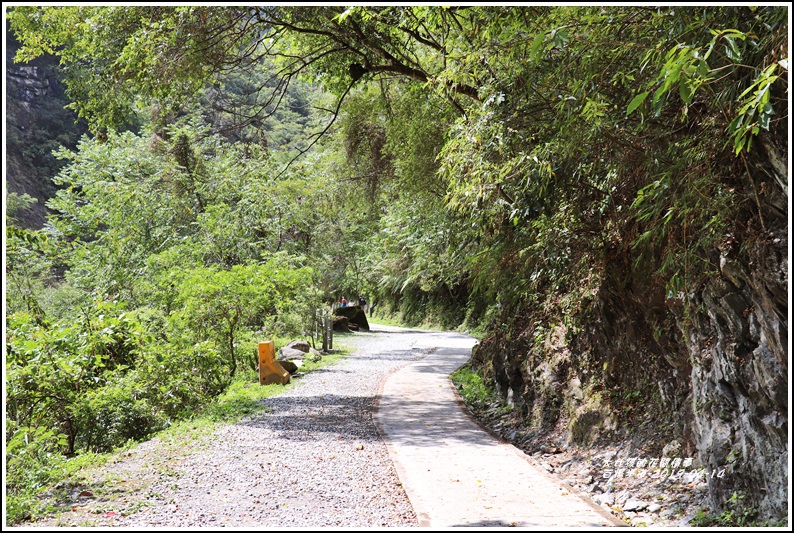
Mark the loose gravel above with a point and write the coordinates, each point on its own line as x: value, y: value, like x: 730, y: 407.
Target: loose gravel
x: 313, y: 459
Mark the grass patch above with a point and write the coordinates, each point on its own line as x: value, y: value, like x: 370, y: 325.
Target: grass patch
x: 388, y: 321
x: 427, y: 324
x: 242, y: 398
x: 378, y: 322
x: 472, y: 388
x: 399, y: 320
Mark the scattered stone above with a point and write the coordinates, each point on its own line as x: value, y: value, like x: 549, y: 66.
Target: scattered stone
x: 289, y: 366
x: 654, y: 508
x: 595, y: 487
x: 668, y: 513
x: 672, y: 449
x: 608, y: 498
x: 691, y: 477
x: 640, y: 520
x: 622, y: 497
x: 634, y: 505
x: 300, y: 345
x: 290, y: 354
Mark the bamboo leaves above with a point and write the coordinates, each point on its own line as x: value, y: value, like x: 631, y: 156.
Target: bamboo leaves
x: 756, y: 110
x: 637, y: 102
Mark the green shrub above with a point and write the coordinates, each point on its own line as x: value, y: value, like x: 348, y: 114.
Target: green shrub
x: 33, y: 461
x: 179, y: 378
x: 112, y: 415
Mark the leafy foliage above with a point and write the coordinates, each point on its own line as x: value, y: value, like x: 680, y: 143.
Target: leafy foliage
x: 472, y: 388
x: 169, y: 254
x: 33, y: 461
x: 736, y: 514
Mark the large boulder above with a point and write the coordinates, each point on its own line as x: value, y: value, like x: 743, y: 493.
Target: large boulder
x: 341, y: 323
x: 357, y: 319
x: 294, y: 350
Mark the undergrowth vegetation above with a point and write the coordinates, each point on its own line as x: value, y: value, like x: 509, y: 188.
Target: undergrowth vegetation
x: 472, y: 388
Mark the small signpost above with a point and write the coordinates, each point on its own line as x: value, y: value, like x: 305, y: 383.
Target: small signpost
x: 269, y: 369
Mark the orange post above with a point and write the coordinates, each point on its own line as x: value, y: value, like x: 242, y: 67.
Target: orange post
x: 269, y: 369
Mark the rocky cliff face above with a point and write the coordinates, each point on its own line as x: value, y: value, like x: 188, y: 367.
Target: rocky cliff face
x: 738, y: 345
x: 708, y: 371
x: 36, y: 124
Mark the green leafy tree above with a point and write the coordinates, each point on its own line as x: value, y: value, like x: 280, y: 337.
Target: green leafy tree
x: 218, y: 304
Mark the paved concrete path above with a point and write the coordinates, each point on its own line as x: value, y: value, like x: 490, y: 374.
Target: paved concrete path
x: 454, y: 472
